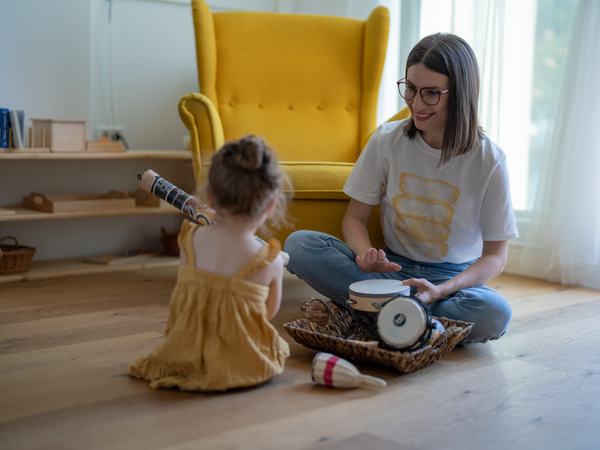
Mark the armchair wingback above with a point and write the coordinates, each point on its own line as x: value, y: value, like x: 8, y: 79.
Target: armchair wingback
x: 307, y: 84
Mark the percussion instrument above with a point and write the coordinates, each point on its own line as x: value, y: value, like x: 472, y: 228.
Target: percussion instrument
x: 158, y: 186
x: 333, y: 371
x: 153, y: 183
x: 401, y: 321
x: 370, y: 295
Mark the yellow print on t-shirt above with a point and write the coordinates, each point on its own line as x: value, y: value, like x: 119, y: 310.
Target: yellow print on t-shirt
x: 424, y: 212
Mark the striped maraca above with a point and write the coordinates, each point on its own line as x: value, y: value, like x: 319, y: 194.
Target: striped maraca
x: 333, y: 371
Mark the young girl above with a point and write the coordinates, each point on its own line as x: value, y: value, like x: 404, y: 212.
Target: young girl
x: 229, y: 284
x: 445, y: 202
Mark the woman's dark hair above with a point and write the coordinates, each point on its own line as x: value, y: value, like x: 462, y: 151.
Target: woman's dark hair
x: 244, y: 175
x: 450, y: 55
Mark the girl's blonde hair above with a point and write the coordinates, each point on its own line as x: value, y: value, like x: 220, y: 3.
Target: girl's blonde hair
x: 244, y: 176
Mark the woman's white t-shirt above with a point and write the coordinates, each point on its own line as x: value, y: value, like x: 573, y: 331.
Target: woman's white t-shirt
x: 434, y: 213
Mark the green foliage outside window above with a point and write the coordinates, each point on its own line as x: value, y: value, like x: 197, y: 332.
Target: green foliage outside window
x: 553, y: 28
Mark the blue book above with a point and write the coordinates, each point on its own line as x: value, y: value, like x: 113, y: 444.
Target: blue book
x: 4, y: 127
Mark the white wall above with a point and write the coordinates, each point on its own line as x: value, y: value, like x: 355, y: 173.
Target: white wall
x: 45, y: 54
x: 69, y: 60
x: 65, y: 59
x: 145, y: 51
x: 64, y: 55
x: 50, y: 68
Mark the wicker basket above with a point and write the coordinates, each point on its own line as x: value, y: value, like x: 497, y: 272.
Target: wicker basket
x: 342, y: 337
x: 15, y: 258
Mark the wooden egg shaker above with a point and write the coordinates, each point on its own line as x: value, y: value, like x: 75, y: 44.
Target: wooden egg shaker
x: 332, y: 371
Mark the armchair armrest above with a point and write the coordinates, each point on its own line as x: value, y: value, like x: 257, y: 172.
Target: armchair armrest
x: 201, y: 118
x: 404, y: 113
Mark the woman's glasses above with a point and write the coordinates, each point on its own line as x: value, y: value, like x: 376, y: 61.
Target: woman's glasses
x: 430, y: 96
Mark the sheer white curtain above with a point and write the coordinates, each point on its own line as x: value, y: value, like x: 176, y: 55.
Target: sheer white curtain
x: 502, y: 34
x: 564, y: 244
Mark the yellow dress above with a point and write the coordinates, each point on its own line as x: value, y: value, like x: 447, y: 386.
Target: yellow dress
x: 218, y: 336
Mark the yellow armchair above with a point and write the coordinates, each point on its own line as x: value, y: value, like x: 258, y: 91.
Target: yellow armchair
x: 307, y: 84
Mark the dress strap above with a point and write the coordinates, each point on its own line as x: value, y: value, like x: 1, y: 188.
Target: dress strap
x: 184, y: 240
x: 263, y: 258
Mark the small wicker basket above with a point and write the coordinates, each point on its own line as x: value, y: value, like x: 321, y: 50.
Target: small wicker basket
x: 15, y: 258
x: 344, y: 338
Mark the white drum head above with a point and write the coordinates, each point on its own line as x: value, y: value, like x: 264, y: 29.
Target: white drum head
x: 370, y: 295
x: 401, y: 322
x: 379, y: 288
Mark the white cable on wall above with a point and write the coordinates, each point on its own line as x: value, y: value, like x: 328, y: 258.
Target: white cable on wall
x: 111, y: 90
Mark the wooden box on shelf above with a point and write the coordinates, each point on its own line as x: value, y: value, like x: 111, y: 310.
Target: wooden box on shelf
x: 78, y: 203
x: 58, y: 135
x: 104, y: 145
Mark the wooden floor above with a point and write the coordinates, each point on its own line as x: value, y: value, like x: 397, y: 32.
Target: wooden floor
x: 65, y: 345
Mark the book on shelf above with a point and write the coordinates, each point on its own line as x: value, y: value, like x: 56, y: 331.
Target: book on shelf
x: 12, y: 128
x: 4, y: 127
x: 17, y: 124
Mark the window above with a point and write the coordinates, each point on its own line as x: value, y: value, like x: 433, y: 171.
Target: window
x: 552, y: 32
x: 520, y: 47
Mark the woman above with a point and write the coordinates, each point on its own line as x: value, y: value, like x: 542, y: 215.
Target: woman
x: 442, y: 186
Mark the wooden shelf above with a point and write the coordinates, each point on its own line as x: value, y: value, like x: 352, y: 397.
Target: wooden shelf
x: 130, y: 154
x: 23, y: 214
x: 53, y: 269
x: 62, y: 267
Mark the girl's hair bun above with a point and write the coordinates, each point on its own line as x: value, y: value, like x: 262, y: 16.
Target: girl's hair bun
x: 244, y: 175
x: 248, y: 154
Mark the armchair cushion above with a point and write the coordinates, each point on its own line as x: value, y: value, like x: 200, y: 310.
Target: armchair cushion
x: 318, y: 180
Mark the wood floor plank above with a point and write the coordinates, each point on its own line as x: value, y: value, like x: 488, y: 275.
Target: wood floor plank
x: 515, y: 286
x: 184, y: 414
x: 567, y: 314
x: 60, y: 331
x: 65, y: 346
x: 50, y: 379
x: 34, y: 327
x: 424, y: 415
x: 72, y: 309
x: 152, y: 283
x: 553, y: 300
x: 360, y: 441
x: 561, y: 346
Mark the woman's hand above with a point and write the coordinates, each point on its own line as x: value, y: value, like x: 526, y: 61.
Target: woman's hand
x: 376, y: 261
x: 427, y: 292
x: 491, y: 264
x: 354, y: 226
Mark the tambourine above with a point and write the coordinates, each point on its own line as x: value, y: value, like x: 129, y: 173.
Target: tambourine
x: 401, y: 322
x: 371, y: 295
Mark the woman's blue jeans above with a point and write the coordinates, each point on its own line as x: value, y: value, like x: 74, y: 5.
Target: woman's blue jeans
x: 328, y: 265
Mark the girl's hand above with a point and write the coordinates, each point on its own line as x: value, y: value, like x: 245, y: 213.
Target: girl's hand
x: 375, y: 261
x: 199, y: 205
x: 427, y: 292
